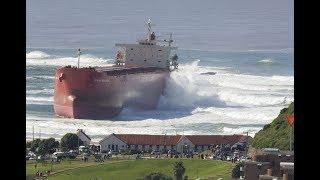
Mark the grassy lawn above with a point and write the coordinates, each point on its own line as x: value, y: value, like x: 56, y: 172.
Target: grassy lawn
x: 63, y: 165
x: 137, y: 169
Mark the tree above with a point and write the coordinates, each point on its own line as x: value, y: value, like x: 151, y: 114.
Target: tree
x: 70, y: 141
x: 47, y: 146
x: 28, y: 144
x: 157, y: 176
x: 34, y: 145
x: 178, y: 170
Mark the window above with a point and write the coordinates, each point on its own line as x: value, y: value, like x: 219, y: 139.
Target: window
x: 159, y: 50
x: 159, y: 61
x: 131, y: 48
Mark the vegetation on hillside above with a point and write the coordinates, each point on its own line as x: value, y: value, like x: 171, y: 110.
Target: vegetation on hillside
x: 277, y: 133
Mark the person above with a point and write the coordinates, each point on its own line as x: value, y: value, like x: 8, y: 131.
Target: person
x: 35, y: 165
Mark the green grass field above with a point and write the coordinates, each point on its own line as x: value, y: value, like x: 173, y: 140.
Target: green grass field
x: 134, y: 169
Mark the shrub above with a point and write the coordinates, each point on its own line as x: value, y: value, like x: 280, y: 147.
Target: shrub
x: 157, y: 176
x: 236, y: 170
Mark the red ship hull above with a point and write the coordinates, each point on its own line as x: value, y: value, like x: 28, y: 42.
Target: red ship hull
x: 88, y: 93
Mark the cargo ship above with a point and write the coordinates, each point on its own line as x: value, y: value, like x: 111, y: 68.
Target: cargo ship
x: 137, y: 79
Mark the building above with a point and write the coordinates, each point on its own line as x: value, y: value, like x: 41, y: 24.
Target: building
x: 83, y: 137
x: 180, y: 143
x: 271, y: 164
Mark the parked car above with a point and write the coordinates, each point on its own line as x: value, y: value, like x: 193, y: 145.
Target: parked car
x: 58, y: 154
x: 134, y: 151
x: 239, y: 146
x: 155, y: 152
x: 228, y: 158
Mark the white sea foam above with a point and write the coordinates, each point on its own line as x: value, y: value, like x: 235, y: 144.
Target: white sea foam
x: 40, y: 91
x: 39, y: 100
x: 266, y: 61
x: 37, y: 55
x: 187, y: 88
x: 39, y: 77
x: 38, y: 58
x: 241, y: 130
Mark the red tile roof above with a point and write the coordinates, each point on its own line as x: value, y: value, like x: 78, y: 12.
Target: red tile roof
x: 143, y: 139
x: 215, y: 139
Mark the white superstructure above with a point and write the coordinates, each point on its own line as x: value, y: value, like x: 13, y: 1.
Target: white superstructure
x: 148, y: 53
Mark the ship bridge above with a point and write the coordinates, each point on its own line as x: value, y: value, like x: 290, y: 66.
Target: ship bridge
x: 147, y: 52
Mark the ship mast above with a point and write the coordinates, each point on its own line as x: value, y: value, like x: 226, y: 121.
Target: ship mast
x: 79, y: 53
x: 149, y: 29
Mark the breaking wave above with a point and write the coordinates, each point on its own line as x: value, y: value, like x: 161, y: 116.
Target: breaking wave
x: 189, y: 88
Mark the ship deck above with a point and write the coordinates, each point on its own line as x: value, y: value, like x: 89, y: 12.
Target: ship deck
x: 120, y: 70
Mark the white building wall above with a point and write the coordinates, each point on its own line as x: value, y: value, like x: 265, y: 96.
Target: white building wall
x: 146, y: 55
x: 111, y: 140
x: 184, y: 141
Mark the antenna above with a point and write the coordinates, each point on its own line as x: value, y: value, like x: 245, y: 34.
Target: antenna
x: 149, y: 24
x: 170, y: 39
x: 79, y: 53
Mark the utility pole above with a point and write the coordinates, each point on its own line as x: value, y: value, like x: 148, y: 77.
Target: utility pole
x: 33, y: 133
x: 78, y: 141
x: 247, y: 144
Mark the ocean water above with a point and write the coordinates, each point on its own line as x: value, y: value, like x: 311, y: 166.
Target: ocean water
x: 248, y: 44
